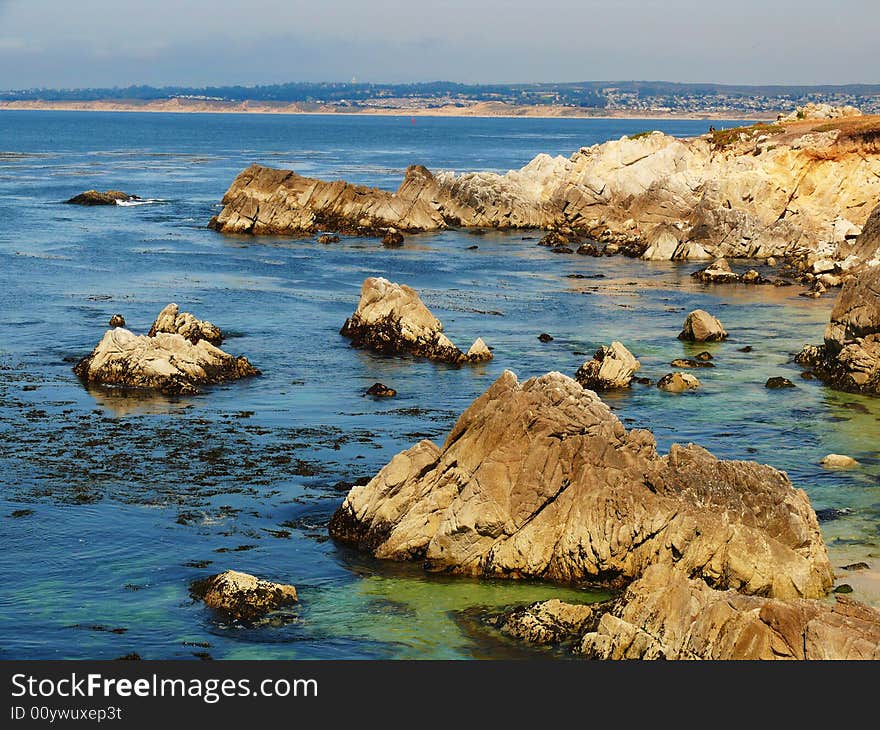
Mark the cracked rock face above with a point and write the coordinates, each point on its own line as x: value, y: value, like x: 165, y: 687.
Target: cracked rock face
x: 392, y: 319
x: 173, y: 321
x: 762, y: 195
x: 849, y: 360
x: 163, y: 361
x: 666, y: 615
x: 613, y: 366
x: 243, y: 597
x: 540, y: 479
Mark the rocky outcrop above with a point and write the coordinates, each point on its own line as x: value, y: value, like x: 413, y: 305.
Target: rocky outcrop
x: 163, y: 361
x: 766, y: 190
x: 849, y: 359
x: 391, y: 319
x: 173, y: 321
x: 866, y: 247
x: 678, y: 382
x: 540, y: 479
x: 839, y: 461
x: 700, y: 326
x: 613, y: 366
x: 552, y: 622
x: 242, y: 597
x: 813, y: 110
x: 666, y: 615
x: 93, y: 197
x: 719, y: 272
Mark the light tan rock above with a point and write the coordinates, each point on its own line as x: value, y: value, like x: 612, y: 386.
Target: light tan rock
x: 391, y: 318
x: 664, y: 615
x: 700, y: 326
x: 540, y: 479
x: 613, y: 366
x: 241, y: 596
x: 678, y: 382
x: 546, y: 622
x: 839, y: 461
x: 172, y: 320
x: 165, y: 362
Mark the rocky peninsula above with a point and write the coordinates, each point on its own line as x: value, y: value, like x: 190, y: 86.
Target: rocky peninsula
x: 800, y: 188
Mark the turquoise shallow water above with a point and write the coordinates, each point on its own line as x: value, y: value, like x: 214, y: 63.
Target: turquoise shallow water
x: 130, y: 499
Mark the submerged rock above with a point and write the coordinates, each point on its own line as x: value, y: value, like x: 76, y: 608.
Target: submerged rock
x: 328, y: 238
x: 613, y: 366
x: 540, y: 479
x: 666, y: 615
x: 545, y: 337
x: 700, y: 326
x: 392, y: 238
x: 172, y: 321
x: 93, y: 197
x: 678, y: 382
x: 243, y: 597
x: 690, y: 364
x: 163, y: 361
x: 391, y: 319
x: 849, y: 360
x: 839, y: 461
x: 719, y: 272
x: 777, y: 382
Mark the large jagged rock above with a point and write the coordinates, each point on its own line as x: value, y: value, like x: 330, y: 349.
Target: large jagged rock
x: 700, y: 326
x: 540, y: 479
x: 94, y: 197
x: 849, y: 359
x: 771, y: 190
x: 866, y: 246
x: 391, y: 318
x: 613, y: 366
x: 243, y: 597
x: 163, y: 361
x: 666, y: 615
x: 173, y: 321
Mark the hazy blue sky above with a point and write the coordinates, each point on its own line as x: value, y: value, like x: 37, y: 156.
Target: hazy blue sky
x: 64, y: 43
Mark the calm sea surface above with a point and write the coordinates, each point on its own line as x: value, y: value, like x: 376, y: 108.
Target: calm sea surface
x: 110, y: 506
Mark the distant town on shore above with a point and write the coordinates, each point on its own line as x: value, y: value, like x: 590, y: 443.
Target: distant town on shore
x: 591, y: 98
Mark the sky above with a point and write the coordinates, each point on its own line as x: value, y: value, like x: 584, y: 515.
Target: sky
x: 88, y: 43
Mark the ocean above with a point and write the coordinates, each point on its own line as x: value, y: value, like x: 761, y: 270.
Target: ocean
x: 110, y: 505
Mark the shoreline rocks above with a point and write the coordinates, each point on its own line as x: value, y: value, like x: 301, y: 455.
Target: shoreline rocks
x: 849, y: 359
x: 164, y: 361
x: 241, y: 596
x: 700, y: 326
x: 613, y: 366
x: 755, y: 192
x: 541, y: 480
x: 391, y: 319
x: 172, y: 321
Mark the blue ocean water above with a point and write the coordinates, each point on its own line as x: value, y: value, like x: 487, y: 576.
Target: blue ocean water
x: 110, y: 506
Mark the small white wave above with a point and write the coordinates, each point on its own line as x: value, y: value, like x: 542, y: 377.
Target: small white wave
x: 140, y: 201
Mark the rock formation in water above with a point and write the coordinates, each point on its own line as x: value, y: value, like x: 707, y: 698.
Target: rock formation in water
x: 163, y: 361
x: 391, y: 318
x: 666, y: 615
x: 678, y: 382
x: 796, y: 188
x: 700, y: 326
x: 613, y: 366
x: 242, y: 597
x: 849, y: 359
x: 173, y: 321
x: 540, y: 479
x: 94, y: 197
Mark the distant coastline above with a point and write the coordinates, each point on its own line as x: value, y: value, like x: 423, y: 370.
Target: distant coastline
x: 477, y: 110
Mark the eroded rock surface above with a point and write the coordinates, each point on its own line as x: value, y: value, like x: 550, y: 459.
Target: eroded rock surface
x: 173, y: 321
x: 666, y: 615
x: 700, y: 326
x: 243, y: 597
x: 540, y: 479
x: 550, y: 622
x: 163, y: 361
x: 849, y: 359
x: 767, y: 190
x: 392, y: 319
x: 613, y: 366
